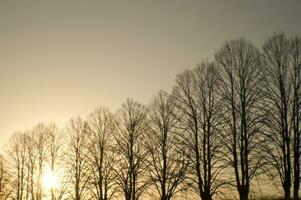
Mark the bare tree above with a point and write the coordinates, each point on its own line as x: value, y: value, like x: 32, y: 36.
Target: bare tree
x: 276, y: 52
x: 17, y: 163
x: 199, y: 107
x: 283, y: 81
x: 132, y: 127
x: 101, y: 156
x: 296, y: 109
x: 167, y: 164
x: 41, y: 133
x: 27, y: 156
x: 77, y: 134
x: 54, y: 158
x: 5, y: 188
x: 206, y: 86
x: 31, y: 162
x: 239, y: 63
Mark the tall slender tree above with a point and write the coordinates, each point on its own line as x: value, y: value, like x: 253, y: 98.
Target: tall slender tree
x: 199, y: 106
x: 5, y: 179
x: 31, y: 163
x: 55, y: 150
x: 41, y: 132
x: 240, y: 70
x: 167, y: 164
x: 278, y: 93
x: 77, y: 135
x: 132, y: 128
x: 296, y: 109
x: 101, y: 155
x: 17, y: 164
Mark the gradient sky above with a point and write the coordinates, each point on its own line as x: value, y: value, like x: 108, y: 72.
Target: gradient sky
x: 63, y: 58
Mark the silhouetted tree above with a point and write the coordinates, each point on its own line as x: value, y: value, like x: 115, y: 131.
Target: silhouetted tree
x: 17, y: 163
x: 167, y: 164
x: 5, y: 178
x: 296, y: 109
x: 31, y: 162
x: 276, y: 51
x: 41, y: 133
x: 132, y: 128
x: 282, y: 76
x: 101, y: 156
x: 28, y: 155
x: 77, y: 132
x: 199, y: 115
x: 55, y: 159
x: 239, y: 63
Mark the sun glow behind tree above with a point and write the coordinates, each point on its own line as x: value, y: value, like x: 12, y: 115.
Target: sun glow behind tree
x: 50, y: 179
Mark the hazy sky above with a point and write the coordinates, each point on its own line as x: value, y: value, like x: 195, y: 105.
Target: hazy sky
x: 63, y: 58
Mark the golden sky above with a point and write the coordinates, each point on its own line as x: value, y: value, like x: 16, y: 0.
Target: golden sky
x: 63, y: 58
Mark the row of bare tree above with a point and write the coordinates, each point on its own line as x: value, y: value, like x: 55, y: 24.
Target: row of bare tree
x: 225, y: 123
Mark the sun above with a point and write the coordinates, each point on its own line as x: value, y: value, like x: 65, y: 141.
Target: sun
x: 49, y: 179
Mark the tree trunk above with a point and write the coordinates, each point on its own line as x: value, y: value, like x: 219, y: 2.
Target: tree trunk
x: 244, y: 193
x: 163, y: 197
x: 127, y: 196
x: 296, y: 193
x: 287, y: 192
x: 296, y: 166
x: 206, y: 195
